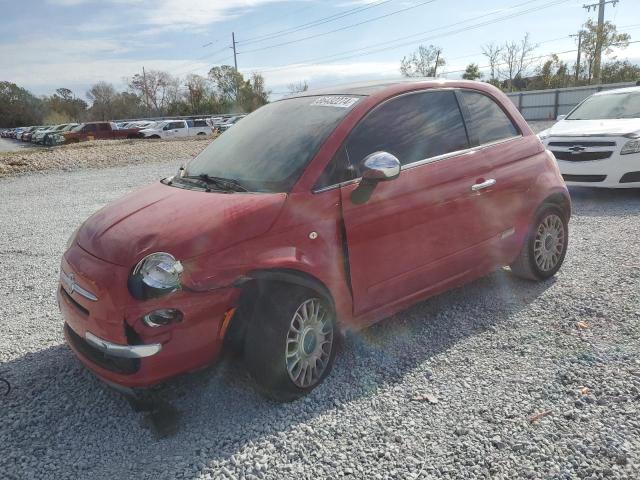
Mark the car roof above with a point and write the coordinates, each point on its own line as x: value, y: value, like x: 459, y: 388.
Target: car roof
x: 362, y: 88
x: 619, y: 90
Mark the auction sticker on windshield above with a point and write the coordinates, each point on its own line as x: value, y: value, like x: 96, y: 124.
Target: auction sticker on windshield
x: 335, y: 101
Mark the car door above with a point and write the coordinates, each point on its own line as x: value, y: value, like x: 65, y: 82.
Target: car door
x: 424, y: 228
x: 512, y: 157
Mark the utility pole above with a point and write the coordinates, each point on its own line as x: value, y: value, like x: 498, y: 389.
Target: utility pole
x: 435, y: 67
x: 578, y: 59
x: 235, y: 59
x: 235, y: 54
x: 146, y: 95
x: 597, y: 60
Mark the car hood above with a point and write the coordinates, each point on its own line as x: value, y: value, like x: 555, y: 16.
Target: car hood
x: 620, y: 126
x: 184, y: 223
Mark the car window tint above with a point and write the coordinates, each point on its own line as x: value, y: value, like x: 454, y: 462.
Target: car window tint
x: 487, y: 122
x: 103, y: 126
x: 177, y: 125
x: 90, y: 127
x: 412, y: 127
x: 339, y: 170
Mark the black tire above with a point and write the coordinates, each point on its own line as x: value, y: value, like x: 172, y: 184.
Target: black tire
x: 525, y: 265
x: 266, y: 342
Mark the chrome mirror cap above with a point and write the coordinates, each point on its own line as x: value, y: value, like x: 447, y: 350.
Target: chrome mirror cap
x: 380, y: 166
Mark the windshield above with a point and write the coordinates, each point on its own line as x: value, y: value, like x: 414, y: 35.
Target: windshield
x: 77, y: 128
x: 270, y: 148
x: 610, y: 106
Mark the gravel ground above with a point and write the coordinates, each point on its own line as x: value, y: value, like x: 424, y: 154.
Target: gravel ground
x: 98, y: 154
x: 501, y: 378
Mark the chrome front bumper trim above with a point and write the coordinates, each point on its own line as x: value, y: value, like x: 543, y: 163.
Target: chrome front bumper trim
x: 123, y: 351
x: 69, y: 284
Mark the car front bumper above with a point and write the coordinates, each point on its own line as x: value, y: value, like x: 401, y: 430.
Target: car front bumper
x: 616, y: 171
x: 109, y: 338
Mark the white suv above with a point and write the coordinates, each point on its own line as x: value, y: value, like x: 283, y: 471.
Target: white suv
x: 598, y: 143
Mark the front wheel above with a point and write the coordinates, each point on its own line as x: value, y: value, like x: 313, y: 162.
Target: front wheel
x: 545, y: 246
x: 290, y: 344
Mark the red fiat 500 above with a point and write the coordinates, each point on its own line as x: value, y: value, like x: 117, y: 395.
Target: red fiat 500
x: 314, y: 215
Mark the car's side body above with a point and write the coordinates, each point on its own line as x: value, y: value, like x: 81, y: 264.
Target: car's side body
x: 445, y: 221
x: 98, y: 131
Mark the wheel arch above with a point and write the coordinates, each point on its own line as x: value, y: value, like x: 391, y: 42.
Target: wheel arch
x: 257, y: 282
x: 561, y: 200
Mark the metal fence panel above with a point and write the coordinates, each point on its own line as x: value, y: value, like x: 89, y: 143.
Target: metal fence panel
x: 548, y: 104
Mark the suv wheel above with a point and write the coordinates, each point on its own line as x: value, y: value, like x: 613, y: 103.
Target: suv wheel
x: 290, y: 344
x: 545, y: 247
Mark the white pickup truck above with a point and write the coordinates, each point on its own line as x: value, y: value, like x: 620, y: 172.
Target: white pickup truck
x: 176, y: 129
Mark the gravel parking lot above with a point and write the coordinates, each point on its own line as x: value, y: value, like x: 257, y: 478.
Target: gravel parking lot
x: 501, y: 378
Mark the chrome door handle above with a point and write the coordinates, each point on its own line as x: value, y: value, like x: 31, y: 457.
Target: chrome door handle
x: 486, y: 184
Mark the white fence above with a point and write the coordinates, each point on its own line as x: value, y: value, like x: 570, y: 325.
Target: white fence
x: 548, y: 104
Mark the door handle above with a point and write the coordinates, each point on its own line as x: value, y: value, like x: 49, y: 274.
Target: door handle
x: 486, y: 184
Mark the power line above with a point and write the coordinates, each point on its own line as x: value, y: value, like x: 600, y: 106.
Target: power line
x: 363, y: 51
x: 346, y: 27
x: 314, y: 23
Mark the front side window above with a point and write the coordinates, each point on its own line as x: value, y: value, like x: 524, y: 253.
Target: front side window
x: 412, y: 127
x: 91, y: 127
x: 487, y: 122
x: 607, y: 107
x: 270, y: 148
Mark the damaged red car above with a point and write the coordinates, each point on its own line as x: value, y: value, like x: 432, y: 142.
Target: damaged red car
x: 316, y: 214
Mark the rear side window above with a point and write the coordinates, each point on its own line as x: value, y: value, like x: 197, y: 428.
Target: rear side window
x: 91, y: 127
x: 412, y: 127
x: 487, y: 122
x: 199, y: 123
x: 103, y: 127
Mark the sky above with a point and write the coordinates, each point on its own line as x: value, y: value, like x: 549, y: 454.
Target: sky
x: 47, y: 44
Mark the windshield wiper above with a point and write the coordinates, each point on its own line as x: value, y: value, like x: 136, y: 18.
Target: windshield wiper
x: 230, y: 184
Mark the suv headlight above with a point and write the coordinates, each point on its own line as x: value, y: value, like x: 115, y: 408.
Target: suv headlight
x: 155, y: 275
x: 632, y: 146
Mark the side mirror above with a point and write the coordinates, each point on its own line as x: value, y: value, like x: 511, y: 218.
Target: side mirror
x: 376, y: 167
x: 561, y: 117
x: 380, y: 166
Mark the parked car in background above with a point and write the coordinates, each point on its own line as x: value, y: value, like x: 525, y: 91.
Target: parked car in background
x: 176, y: 129
x: 48, y: 137
x: 98, y: 131
x: 598, y: 143
x: 228, y: 123
x: 337, y: 218
x: 26, y: 136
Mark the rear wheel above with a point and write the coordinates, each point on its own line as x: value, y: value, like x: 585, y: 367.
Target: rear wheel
x: 290, y: 344
x: 545, y: 247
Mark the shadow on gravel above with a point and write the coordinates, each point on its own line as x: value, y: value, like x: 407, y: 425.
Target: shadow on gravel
x: 59, y: 415
x: 596, y: 202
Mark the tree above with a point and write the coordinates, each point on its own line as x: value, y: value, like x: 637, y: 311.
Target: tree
x: 227, y: 82
x: 620, y: 71
x: 424, y: 62
x: 297, y: 87
x: 19, y: 107
x: 157, y: 88
x: 197, y: 91
x: 607, y: 38
x: 102, y: 96
x: 253, y: 93
x: 553, y: 73
x: 472, y: 72
x: 493, y: 53
x: 65, y: 105
x: 515, y: 60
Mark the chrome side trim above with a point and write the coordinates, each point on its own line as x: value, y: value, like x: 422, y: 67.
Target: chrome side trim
x: 123, y: 351
x: 426, y: 161
x: 69, y: 284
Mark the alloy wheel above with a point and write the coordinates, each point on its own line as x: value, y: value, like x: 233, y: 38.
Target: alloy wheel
x: 549, y: 242
x: 309, y: 343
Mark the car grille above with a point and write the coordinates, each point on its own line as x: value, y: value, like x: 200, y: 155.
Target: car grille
x: 583, y: 178
x: 588, y: 143
x: 581, y: 156
x: 125, y: 366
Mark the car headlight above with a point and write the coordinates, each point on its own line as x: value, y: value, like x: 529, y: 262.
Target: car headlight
x: 543, y: 134
x: 155, y: 275
x: 632, y: 146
